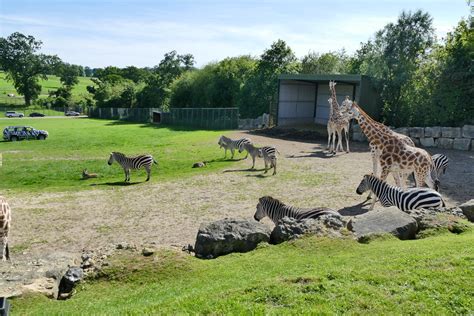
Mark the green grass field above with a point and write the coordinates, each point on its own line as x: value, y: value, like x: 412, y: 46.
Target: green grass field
x: 75, y: 144
x: 6, y: 87
x: 432, y: 276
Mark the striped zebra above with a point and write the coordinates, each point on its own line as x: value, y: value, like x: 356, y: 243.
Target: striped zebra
x: 404, y: 199
x: 253, y: 151
x: 270, y: 158
x: 276, y: 210
x: 232, y: 145
x: 128, y: 163
x: 440, y: 162
x: 5, y: 220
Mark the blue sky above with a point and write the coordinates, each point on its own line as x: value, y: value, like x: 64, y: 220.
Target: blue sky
x: 121, y: 33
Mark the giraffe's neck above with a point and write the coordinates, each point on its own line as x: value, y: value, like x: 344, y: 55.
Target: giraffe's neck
x: 370, y: 129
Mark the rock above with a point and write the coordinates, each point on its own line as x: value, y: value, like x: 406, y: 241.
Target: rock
x: 199, y: 164
x: 472, y: 145
x: 291, y: 228
x: 468, y: 209
x: 417, y: 132
x: 387, y: 220
x: 148, y: 251
x: 461, y: 143
x: 416, y: 141
x: 359, y: 137
x: 427, y: 142
x: 451, y: 132
x: 229, y: 235
x: 69, y: 280
x: 446, y: 143
x: 434, y: 131
x: 468, y: 131
x: 356, y: 128
x: 403, y: 131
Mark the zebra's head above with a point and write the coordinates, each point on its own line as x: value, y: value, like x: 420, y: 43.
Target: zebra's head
x: 264, y: 204
x: 111, y: 159
x: 221, y: 141
x: 363, y: 185
x: 243, y: 146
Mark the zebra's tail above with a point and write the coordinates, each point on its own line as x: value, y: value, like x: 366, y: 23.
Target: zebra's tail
x: 444, y: 204
x: 154, y: 161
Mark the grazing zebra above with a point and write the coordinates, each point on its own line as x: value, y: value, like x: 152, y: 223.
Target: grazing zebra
x: 270, y: 158
x: 5, y: 219
x: 252, y: 151
x: 405, y: 200
x: 440, y: 162
x: 232, y: 145
x: 128, y: 163
x: 276, y: 210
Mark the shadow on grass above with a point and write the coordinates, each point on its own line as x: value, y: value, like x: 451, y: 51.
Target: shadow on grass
x: 354, y: 209
x: 118, y: 183
x: 178, y: 128
x: 261, y: 175
x: 242, y: 170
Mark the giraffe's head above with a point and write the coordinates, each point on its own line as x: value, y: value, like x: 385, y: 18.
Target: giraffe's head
x: 354, y: 108
x: 111, y: 159
x: 363, y: 185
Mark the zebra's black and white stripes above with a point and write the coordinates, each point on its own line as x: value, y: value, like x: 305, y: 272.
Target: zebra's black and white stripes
x: 269, y: 158
x: 405, y: 200
x: 128, y: 163
x: 232, y: 145
x: 440, y: 162
x: 276, y: 210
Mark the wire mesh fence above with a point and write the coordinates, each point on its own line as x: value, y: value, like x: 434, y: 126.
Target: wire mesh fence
x: 207, y: 118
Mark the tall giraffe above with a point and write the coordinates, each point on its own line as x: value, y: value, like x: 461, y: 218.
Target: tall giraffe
x: 338, y: 122
x: 5, y: 219
x: 395, y: 154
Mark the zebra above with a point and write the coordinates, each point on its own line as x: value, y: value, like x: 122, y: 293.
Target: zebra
x: 253, y: 151
x: 128, y: 163
x: 276, y: 210
x: 440, y: 162
x: 5, y: 220
x: 404, y: 199
x: 269, y: 157
x: 232, y: 145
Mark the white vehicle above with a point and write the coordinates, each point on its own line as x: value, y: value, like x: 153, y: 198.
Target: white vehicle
x: 14, y: 114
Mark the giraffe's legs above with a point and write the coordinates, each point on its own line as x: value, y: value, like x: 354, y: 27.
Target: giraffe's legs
x: 329, y: 136
x: 4, y: 248
x: 346, y: 131
x: 339, y: 140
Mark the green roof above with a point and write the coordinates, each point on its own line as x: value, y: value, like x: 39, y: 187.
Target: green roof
x: 322, y: 78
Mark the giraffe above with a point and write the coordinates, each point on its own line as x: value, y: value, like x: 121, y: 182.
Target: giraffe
x: 338, y: 122
x: 394, y: 154
x: 5, y: 219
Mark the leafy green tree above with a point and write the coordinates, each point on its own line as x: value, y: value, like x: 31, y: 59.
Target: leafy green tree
x: 327, y: 63
x: 88, y: 72
x: 23, y: 66
x: 134, y: 73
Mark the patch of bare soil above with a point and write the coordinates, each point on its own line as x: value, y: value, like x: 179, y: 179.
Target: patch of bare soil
x: 169, y: 213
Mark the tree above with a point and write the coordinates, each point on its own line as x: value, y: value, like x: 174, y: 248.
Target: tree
x: 327, y: 63
x: 23, y: 66
x: 88, y: 72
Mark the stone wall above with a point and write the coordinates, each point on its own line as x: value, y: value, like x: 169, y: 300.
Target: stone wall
x: 259, y: 122
x: 460, y: 138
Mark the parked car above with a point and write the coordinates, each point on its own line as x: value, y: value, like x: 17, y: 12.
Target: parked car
x: 14, y: 114
x: 14, y: 133
x: 72, y: 113
x: 36, y: 114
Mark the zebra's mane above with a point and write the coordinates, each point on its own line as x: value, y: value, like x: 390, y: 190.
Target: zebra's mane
x: 116, y: 153
x: 271, y: 200
x: 373, y: 180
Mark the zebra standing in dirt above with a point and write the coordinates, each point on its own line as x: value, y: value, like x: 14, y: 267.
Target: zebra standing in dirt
x: 253, y: 151
x: 405, y: 200
x: 5, y: 219
x: 232, y: 145
x: 269, y: 158
x: 440, y: 162
x: 128, y: 163
x: 276, y: 210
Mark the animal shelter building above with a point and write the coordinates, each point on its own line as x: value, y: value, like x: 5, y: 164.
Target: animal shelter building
x: 303, y: 99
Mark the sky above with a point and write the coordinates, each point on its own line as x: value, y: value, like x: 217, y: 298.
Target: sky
x: 99, y: 33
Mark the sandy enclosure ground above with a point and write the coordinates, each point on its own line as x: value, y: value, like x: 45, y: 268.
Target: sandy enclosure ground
x: 169, y: 213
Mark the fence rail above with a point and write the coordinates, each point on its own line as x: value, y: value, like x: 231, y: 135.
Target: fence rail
x: 208, y: 118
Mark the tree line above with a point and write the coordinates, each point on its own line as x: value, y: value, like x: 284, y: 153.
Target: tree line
x: 421, y: 81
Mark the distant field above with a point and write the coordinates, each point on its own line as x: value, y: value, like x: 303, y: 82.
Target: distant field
x: 74, y: 144
x: 51, y: 84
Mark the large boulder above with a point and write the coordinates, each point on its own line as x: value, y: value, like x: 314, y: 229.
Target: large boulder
x: 446, y: 143
x: 229, y: 235
x: 468, y: 131
x: 417, y: 132
x: 468, y: 209
x: 291, y: 228
x: 451, y: 132
x: 461, y: 143
x: 427, y: 142
x: 386, y: 220
x: 69, y: 280
x: 434, y: 131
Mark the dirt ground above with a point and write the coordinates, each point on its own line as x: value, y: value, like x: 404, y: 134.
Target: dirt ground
x: 169, y: 213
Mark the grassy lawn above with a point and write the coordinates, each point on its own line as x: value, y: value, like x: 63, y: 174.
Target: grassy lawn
x: 51, y: 84
x: 309, y: 276
x: 76, y: 144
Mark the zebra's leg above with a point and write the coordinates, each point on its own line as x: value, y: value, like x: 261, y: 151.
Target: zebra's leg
x: 225, y: 152
x: 128, y: 175
x: 274, y: 162
x: 148, y: 172
x: 3, y: 248
x: 253, y: 162
x: 266, y: 164
x: 232, y: 152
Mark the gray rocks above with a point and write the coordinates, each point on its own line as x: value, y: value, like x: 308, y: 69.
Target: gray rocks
x: 446, y: 143
x: 290, y: 228
x: 417, y: 132
x: 388, y: 220
x: 199, y: 164
x: 427, y: 142
x: 451, y: 132
x: 403, y: 130
x: 434, y: 131
x: 468, y: 131
x: 69, y: 280
x: 229, y: 235
x: 468, y: 209
x: 461, y: 143
x: 147, y: 251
